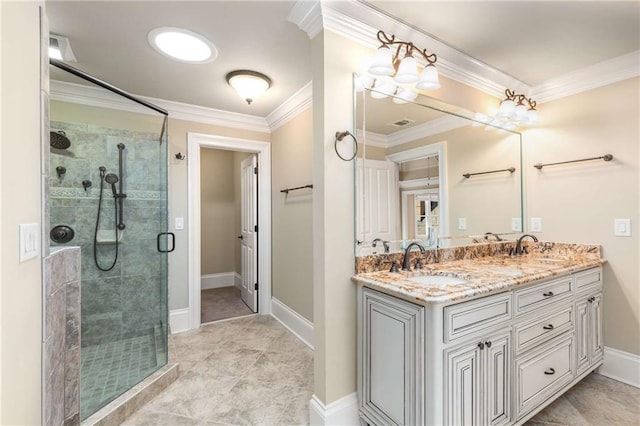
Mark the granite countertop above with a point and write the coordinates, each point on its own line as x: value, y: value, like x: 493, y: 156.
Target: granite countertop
x: 484, y: 275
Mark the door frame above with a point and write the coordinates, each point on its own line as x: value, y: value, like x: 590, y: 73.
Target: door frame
x: 196, y: 141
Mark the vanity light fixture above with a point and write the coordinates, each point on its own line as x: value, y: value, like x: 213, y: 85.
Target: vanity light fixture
x: 182, y: 45
x: 392, y: 73
x: 249, y: 84
x: 512, y: 113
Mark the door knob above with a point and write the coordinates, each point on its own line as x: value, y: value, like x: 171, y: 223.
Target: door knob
x: 239, y: 237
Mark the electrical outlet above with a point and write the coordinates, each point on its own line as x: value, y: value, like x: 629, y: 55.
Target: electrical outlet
x: 536, y: 224
x: 462, y: 223
x: 516, y: 224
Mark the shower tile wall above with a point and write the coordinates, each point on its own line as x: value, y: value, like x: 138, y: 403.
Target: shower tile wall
x: 61, y: 364
x: 126, y: 301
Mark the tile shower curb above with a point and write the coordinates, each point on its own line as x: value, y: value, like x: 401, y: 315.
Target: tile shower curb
x: 118, y: 410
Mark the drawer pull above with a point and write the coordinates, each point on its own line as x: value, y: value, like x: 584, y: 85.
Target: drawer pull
x: 481, y: 345
x: 548, y: 294
x: 488, y: 343
x: 550, y: 372
x: 548, y: 327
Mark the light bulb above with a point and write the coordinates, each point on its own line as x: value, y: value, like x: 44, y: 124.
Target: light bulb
x: 507, y: 109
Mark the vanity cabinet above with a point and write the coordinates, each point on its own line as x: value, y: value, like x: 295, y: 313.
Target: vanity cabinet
x: 492, y: 360
x: 477, y: 383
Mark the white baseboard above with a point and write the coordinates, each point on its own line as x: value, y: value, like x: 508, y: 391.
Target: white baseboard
x: 237, y: 280
x: 343, y: 412
x: 224, y: 279
x: 621, y: 366
x: 296, y: 323
x: 179, y: 320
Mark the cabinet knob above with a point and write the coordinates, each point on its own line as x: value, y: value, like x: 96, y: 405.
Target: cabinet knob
x: 548, y: 327
x: 548, y: 294
x: 591, y: 299
x: 481, y: 345
x: 550, y: 372
x: 488, y: 343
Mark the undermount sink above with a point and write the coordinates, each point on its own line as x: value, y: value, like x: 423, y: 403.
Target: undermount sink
x: 549, y: 259
x: 437, y: 280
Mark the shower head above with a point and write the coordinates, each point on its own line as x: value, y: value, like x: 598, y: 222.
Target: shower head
x: 112, y: 179
x: 59, y: 140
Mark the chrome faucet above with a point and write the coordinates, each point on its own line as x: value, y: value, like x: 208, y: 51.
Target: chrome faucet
x: 406, y: 261
x: 519, y: 250
x: 385, y: 244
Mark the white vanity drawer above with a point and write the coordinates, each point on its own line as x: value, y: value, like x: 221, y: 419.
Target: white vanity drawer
x: 469, y: 317
x: 534, y: 332
x: 543, y: 372
x: 542, y: 295
x: 587, y: 280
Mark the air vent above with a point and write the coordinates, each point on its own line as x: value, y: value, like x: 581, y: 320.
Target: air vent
x: 401, y: 123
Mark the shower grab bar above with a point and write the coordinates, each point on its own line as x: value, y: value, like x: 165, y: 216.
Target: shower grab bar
x: 68, y: 68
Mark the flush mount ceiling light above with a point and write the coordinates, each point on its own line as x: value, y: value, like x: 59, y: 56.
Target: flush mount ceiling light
x: 60, y: 49
x: 512, y: 113
x: 182, y: 45
x: 400, y: 69
x: 249, y: 84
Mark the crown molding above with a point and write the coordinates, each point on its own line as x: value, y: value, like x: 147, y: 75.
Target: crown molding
x: 372, y: 139
x: 360, y: 22
x: 430, y: 128
x: 592, y: 77
x: 291, y: 108
x: 91, y: 96
x: 307, y: 15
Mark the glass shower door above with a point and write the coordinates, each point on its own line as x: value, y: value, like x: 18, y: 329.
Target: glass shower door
x: 108, y: 185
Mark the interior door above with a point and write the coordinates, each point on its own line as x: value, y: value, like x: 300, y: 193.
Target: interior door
x: 249, y: 232
x: 378, y: 204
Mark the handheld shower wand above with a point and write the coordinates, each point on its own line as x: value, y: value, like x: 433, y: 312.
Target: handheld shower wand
x: 112, y: 179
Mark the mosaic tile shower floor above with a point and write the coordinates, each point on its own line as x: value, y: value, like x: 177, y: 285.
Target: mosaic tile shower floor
x: 111, y: 368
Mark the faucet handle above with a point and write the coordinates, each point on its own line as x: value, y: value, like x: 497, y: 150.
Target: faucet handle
x: 394, y: 266
x: 418, y: 264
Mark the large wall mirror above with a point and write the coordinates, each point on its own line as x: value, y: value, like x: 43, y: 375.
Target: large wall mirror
x: 428, y: 172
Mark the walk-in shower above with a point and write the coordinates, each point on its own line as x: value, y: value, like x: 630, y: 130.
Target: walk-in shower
x: 111, y: 201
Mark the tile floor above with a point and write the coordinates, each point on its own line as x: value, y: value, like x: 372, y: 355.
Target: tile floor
x: 222, y: 303
x: 252, y: 371
x: 246, y: 371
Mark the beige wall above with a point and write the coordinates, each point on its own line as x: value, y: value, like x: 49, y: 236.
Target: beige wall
x: 292, y: 273
x: 217, y: 209
x: 178, y: 200
x: 20, y: 283
x: 578, y: 202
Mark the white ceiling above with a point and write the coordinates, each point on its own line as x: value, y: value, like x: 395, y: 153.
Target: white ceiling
x: 531, y: 41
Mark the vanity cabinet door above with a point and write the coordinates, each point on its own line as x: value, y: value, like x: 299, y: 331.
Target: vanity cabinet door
x: 589, y: 345
x: 478, y: 381
x: 390, y: 360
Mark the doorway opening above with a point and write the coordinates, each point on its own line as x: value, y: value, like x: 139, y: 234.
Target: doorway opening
x: 229, y: 236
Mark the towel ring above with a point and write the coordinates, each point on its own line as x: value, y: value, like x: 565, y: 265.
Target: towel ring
x: 339, y: 137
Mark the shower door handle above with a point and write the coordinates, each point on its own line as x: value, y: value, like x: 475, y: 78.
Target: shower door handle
x: 173, y: 242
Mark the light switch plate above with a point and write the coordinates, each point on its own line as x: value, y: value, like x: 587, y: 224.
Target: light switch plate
x: 516, y: 224
x: 622, y: 227
x: 536, y: 224
x: 462, y: 223
x: 179, y: 224
x: 29, y: 241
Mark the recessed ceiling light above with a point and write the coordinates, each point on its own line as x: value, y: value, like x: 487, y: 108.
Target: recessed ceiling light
x: 182, y: 45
